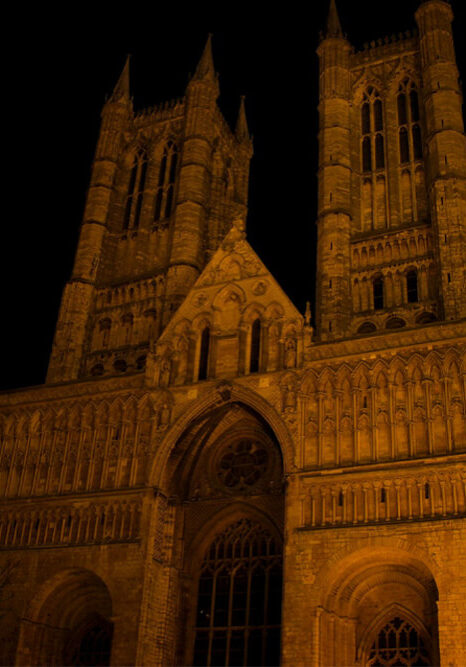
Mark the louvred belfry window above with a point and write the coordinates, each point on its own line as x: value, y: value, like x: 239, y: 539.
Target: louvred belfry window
x: 239, y: 599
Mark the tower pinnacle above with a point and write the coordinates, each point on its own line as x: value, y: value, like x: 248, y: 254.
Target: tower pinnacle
x: 205, y: 69
x: 333, y: 21
x: 242, y: 130
x: 121, y: 90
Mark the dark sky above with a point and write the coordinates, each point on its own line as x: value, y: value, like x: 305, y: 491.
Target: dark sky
x: 55, y: 82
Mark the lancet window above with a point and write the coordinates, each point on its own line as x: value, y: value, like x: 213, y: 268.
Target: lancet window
x: 239, y: 599
x: 204, y: 354
x: 412, y: 286
x: 137, y: 183
x: 372, y: 126
x: 409, y: 129
x: 378, y: 293
x: 374, y: 197
x: 166, y: 183
x: 412, y: 182
x: 254, y: 361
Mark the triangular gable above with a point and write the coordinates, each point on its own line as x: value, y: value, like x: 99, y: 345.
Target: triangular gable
x: 234, y: 290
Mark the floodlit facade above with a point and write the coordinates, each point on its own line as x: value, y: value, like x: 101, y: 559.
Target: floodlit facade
x: 206, y: 478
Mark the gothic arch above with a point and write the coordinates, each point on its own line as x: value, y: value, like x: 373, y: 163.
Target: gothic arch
x: 221, y: 520
x: 367, y: 584
x: 67, y: 605
x: 392, y: 611
x: 224, y: 394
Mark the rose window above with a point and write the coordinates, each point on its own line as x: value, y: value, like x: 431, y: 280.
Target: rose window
x: 242, y: 465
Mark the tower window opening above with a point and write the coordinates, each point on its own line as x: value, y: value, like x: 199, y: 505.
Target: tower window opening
x: 166, y: 183
x: 379, y: 152
x: 340, y: 499
x: 372, y: 125
x: 378, y: 293
x: 404, y: 146
x: 204, y: 354
x: 383, y: 495
x: 255, y: 346
x: 412, y: 286
x: 410, y: 138
x: 366, y: 154
x: 137, y: 184
x: 427, y: 490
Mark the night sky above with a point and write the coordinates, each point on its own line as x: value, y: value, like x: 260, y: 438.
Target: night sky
x: 56, y: 80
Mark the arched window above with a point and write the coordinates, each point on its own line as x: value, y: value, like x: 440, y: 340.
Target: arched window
x: 239, y: 599
x: 204, y: 354
x: 372, y: 130
x: 378, y: 292
x: 255, y: 346
x: 137, y: 183
x: 412, y: 288
x: 398, y: 643
x: 166, y: 182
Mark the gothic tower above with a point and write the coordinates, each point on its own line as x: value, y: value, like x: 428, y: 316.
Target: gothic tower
x: 166, y: 184
x: 391, y: 219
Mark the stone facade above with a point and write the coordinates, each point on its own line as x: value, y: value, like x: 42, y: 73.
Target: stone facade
x: 203, y: 472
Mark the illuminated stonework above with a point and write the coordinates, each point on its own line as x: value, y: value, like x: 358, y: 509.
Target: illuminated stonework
x: 207, y: 477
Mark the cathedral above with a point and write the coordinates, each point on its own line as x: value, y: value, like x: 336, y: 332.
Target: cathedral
x: 210, y: 477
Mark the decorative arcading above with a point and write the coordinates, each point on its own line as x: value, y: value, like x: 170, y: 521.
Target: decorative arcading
x: 386, y: 500
x: 78, y: 448
x: 115, y: 521
x: 411, y: 407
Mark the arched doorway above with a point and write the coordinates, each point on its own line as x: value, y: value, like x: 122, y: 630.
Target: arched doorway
x: 391, y: 596
x: 227, y: 478
x: 69, y: 623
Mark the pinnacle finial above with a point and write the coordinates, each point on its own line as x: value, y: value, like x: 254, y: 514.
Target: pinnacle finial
x: 242, y: 130
x: 205, y: 68
x: 333, y: 21
x: 307, y: 314
x: 121, y: 90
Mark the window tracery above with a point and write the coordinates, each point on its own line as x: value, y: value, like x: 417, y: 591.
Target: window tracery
x: 242, y: 465
x: 398, y: 643
x: 239, y: 599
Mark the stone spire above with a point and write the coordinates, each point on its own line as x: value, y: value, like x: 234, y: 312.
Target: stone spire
x: 242, y: 130
x: 333, y: 22
x: 121, y: 90
x: 205, y: 69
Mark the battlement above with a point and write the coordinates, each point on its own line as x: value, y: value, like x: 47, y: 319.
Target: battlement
x: 386, y: 47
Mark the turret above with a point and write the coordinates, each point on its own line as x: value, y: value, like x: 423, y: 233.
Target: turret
x: 115, y: 114
x: 446, y: 150
x: 188, y: 243
x: 70, y: 334
x: 333, y: 252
